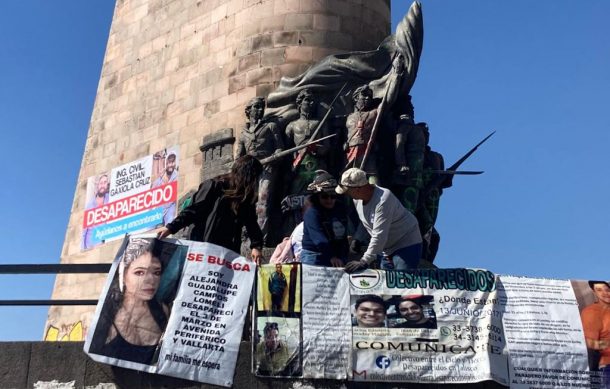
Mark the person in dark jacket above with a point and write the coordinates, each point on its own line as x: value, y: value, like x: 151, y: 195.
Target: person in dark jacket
x: 324, y: 225
x: 222, y: 207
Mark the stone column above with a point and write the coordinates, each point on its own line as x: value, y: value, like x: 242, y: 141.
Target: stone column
x: 175, y: 71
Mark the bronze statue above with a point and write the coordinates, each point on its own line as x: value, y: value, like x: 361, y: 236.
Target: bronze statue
x: 362, y: 148
x: 299, y: 132
x: 409, y: 148
x: 359, y: 125
x: 262, y: 138
x: 429, y: 199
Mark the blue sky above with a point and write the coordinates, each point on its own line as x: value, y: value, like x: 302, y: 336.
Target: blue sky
x: 536, y: 72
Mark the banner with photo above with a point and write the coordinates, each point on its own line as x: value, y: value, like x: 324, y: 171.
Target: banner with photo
x: 427, y: 326
x: 173, y: 307
x: 430, y: 326
x: 135, y: 197
x: 301, y: 323
x: 178, y: 307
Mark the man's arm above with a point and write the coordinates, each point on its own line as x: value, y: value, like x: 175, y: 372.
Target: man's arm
x: 251, y: 223
x: 592, y: 326
x: 200, y: 204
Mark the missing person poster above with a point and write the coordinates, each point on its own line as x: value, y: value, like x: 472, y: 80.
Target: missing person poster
x: 544, y: 333
x: 428, y: 326
x: 276, y: 340
x: 175, y: 308
x: 135, y: 197
x: 326, y: 323
x: 437, y: 326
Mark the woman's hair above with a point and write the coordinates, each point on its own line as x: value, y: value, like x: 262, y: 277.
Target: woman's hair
x: 243, y: 181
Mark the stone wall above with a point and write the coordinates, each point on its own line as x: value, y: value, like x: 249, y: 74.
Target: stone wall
x: 67, y: 363
x: 176, y: 71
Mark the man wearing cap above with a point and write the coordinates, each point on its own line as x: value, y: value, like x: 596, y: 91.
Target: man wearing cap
x: 170, y: 174
x: 394, y: 231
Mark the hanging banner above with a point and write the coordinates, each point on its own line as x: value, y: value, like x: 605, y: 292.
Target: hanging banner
x: 326, y: 323
x: 437, y: 326
x: 178, y: 308
x: 428, y: 326
x: 135, y: 197
x: 173, y: 308
x: 544, y: 333
x: 276, y: 340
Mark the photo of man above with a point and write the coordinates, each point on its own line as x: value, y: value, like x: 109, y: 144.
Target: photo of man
x: 596, y: 327
x: 370, y: 311
x: 100, y: 197
x: 413, y: 313
x: 169, y: 174
x: 277, y: 287
x: 274, y: 354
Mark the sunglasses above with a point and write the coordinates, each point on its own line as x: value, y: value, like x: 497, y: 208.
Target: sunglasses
x: 326, y: 196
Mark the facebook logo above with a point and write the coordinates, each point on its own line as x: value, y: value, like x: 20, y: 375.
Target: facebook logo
x: 382, y: 362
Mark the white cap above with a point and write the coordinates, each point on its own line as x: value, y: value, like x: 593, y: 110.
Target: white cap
x: 351, y: 178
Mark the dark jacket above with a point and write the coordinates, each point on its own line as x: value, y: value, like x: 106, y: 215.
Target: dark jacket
x: 214, y: 220
x: 325, y: 232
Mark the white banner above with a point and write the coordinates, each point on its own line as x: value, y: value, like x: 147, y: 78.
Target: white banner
x: 131, y: 178
x: 544, y: 333
x: 429, y: 326
x: 207, y: 288
x: 326, y: 323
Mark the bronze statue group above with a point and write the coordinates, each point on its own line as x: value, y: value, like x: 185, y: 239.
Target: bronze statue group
x: 285, y: 173
x: 337, y: 149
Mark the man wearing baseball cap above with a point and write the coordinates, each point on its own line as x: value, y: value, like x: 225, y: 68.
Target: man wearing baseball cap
x: 395, y: 236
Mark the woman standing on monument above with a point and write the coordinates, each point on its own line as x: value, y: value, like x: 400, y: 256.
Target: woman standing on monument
x: 222, y: 207
x: 132, y: 319
x: 324, y: 225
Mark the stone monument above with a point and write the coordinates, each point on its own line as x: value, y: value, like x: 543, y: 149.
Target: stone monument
x: 176, y: 77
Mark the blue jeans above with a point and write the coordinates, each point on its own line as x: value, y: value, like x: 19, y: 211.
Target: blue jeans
x: 309, y: 257
x: 402, y: 259
x: 605, y: 377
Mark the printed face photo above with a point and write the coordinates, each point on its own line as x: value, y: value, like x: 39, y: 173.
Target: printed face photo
x: 102, y: 185
x: 602, y: 292
x: 276, y: 346
x: 411, y: 311
x: 370, y: 314
x: 142, y: 277
x: 369, y: 311
x: 138, y: 300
